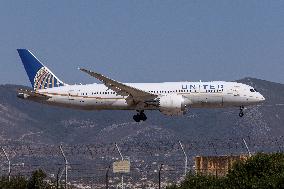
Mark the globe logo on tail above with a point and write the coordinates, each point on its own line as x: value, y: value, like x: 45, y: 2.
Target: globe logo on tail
x: 45, y: 79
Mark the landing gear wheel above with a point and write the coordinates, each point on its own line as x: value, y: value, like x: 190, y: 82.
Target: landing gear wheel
x: 241, y: 114
x: 143, y: 117
x: 136, y: 118
x: 140, y: 116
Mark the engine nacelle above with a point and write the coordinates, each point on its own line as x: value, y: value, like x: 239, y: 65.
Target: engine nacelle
x: 173, y: 104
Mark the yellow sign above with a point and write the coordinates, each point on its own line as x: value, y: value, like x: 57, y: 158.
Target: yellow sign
x: 121, y: 166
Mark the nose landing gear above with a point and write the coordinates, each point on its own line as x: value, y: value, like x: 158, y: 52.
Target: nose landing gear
x: 140, y: 116
x: 241, y: 114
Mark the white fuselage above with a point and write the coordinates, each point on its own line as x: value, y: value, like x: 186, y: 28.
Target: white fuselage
x: 170, y: 98
x: 215, y: 94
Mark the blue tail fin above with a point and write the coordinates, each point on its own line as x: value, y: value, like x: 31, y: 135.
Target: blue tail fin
x: 40, y: 76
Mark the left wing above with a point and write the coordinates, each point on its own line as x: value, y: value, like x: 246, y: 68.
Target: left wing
x: 137, y: 95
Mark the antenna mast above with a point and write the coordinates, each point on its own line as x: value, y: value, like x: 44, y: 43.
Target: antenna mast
x: 122, y: 185
x: 185, y: 159
x: 66, y: 165
x: 9, y: 163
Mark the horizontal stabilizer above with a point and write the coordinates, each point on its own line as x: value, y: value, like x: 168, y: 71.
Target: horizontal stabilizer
x: 28, y: 94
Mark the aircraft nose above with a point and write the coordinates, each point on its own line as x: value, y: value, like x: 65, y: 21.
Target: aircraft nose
x: 262, y: 98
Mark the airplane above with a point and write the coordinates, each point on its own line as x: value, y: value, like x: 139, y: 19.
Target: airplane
x: 170, y: 98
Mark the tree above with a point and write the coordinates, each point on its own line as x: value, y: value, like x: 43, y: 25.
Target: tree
x: 259, y: 171
x: 16, y: 182
x: 36, y: 181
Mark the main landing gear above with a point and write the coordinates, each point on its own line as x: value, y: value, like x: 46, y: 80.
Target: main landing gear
x: 140, y: 116
x: 241, y: 114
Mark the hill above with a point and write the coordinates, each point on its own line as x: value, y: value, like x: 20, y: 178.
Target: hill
x: 28, y: 122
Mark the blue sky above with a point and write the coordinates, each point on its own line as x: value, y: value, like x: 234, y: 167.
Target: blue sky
x: 145, y: 41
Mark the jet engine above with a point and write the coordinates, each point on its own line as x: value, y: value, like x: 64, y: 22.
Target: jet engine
x: 173, y: 104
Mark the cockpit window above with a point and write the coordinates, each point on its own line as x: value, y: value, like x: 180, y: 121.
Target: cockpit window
x: 255, y: 90
x: 251, y: 90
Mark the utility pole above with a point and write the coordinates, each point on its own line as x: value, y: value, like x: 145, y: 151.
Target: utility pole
x: 160, y: 169
x: 185, y: 159
x: 247, y: 147
x: 66, y: 165
x: 107, y: 177
x: 122, y: 185
x: 57, y: 178
x: 9, y: 164
x: 119, y: 151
